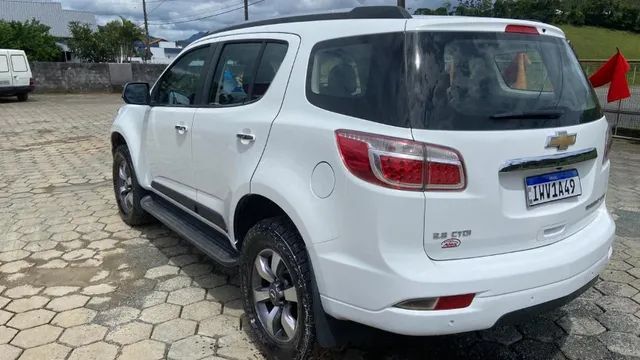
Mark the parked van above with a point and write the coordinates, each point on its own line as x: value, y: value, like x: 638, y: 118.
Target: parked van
x: 15, y: 74
x: 419, y: 175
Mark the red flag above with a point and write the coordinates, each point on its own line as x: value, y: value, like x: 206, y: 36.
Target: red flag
x: 613, y: 71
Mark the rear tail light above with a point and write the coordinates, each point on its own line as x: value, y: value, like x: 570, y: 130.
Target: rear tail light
x: 438, y: 303
x: 522, y: 29
x: 399, y: 163
x: 607, y: 143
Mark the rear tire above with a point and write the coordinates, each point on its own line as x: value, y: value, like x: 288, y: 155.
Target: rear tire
x: 127, y: 190
x: 23, y: 97
x: 275, y: 279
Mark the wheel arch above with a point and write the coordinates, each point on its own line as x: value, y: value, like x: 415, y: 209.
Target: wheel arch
x: 251, y: 209
x: 128, y: 129
x: 117, y: 139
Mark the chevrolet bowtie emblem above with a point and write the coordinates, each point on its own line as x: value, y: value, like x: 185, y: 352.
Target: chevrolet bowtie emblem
x: 561, y: 140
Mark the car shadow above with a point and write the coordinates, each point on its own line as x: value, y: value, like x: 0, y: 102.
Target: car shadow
x: 536, y: 337
x: 13, y: 99
x: 8, y: 100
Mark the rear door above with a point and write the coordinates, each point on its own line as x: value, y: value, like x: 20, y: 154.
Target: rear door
x: 519, y: 110
x: 246, y: 90
x: 20, y: 69
x: 5, y: 71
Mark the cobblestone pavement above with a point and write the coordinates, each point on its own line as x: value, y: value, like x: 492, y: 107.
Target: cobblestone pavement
x: 77, y: 283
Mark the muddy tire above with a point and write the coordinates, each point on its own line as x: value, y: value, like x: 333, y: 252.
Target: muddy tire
x: 275, y: 277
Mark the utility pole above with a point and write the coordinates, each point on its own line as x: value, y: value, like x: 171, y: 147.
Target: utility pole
x: 401, y: 3
x: 147, y: 51
x: 246, y: 10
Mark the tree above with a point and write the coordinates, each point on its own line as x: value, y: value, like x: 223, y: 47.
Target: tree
x: 426, y: 11
x: 613, y: 14
x: 85, y: 44
x: 474, y: 8
x: 112, y: 42
x: 30, y: 36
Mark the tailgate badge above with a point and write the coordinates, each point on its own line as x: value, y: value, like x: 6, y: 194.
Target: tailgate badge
x: 561, y: 140
x: 450, y: 243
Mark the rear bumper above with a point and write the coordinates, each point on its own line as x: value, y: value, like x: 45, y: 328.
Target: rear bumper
x: 15, y: 90
x: 483, y: 313
x: 503, y: 284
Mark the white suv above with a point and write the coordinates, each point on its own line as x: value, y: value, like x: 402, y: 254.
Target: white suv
x: 420, y: 175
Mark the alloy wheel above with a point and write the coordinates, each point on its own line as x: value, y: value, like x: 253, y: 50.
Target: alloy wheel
x: 125, y: 187
x: 274, y: 295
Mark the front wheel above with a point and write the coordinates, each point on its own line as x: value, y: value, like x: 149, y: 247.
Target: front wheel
x: 275, y: 275
x: 127, y: 190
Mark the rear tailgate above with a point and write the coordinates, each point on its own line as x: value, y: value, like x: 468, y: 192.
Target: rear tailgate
x: 492, y: 215
x: 497, y: 91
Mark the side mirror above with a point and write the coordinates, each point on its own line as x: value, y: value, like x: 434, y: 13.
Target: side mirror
x: 136, y: 93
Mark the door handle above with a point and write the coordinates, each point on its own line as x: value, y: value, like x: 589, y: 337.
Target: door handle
x: 181, y: 129
x: 246, y: 137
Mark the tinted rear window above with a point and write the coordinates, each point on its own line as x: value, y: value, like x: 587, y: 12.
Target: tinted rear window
x: 452, y: 80
x: 473, y: 81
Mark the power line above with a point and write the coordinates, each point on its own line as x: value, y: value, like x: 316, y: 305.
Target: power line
x: 160, y: 3
x: 208, y: 16
x: 189, y: 17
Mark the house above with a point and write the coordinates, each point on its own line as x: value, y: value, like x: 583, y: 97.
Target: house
x: 162, y: 51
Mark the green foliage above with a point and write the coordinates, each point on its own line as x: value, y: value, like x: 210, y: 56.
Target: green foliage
x: 30, y: 36
x: 426, y: 11
x: 109, y: 43
x: 474, y: 8
x: 612, y: 14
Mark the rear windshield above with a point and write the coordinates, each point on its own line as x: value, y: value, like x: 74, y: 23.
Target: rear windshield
x: 453, y: 81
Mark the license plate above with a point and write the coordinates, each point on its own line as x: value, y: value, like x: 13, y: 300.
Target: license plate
x: 553, y: 187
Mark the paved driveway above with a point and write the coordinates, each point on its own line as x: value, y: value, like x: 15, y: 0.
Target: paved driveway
x: 77, y: 283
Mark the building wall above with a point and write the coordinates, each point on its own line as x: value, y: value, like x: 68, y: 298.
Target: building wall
x: 74, y: 77
x: 49, y: 13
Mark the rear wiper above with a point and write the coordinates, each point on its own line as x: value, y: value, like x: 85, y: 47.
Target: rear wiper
x: 539, y: 114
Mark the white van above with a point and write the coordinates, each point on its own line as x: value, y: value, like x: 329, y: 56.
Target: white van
x: 15, y: 74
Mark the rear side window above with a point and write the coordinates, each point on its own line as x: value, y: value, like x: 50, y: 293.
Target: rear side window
x: 271, y: 60
x: 234, y: 73
x: 4, y: 65
x: 245, y: 72
x: 182, y: 82
x: 360, y: 76
x: 18, y: 63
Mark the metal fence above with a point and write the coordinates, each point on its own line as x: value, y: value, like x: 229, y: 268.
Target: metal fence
x: 623, y: 115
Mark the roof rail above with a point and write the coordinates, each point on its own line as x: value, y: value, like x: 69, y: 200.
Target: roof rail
x: 362, y: 12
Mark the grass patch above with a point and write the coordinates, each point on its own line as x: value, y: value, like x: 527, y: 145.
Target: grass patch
x: 600, y: 43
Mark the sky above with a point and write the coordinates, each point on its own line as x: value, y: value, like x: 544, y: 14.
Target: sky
x: 179, y: 19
